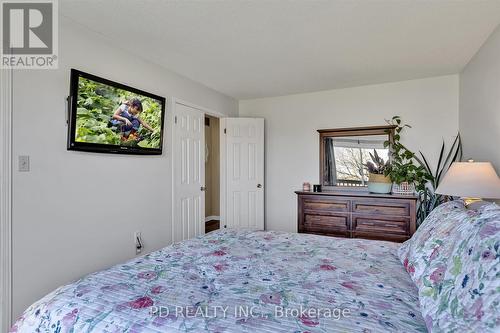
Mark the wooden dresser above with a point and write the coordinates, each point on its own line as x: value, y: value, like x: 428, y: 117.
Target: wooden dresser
x: 357, y: 214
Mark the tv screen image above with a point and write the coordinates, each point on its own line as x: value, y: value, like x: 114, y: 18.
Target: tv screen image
x: 106, y: 116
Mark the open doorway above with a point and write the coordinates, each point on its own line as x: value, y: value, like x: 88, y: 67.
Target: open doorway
x: 212, y: 174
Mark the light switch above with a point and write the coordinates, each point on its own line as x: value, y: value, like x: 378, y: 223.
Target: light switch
x: 24, y: 163
x: 138, y: 242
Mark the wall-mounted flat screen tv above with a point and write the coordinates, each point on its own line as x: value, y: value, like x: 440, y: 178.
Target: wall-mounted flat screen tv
x: 110, y: 117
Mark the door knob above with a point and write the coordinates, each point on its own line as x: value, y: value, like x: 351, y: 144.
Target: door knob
x: 259, y: 185
x: 203, y: 188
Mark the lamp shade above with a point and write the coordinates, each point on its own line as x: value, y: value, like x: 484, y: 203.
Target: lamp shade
x: 470, y: 179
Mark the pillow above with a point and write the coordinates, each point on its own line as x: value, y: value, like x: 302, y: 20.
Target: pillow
x: 434, y: 240
x: 462, y: 293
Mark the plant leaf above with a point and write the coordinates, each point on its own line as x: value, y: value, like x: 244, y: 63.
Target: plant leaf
x: 455, y: 147
x: 438, y: 167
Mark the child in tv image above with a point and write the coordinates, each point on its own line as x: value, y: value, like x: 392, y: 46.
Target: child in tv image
x: 108, y: 115
x: 127, y: 120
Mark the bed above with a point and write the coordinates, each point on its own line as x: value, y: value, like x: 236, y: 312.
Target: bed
x: 444, y: 279
x: 241, y: 281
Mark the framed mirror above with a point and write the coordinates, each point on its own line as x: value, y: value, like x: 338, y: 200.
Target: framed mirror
x: 344, y: 151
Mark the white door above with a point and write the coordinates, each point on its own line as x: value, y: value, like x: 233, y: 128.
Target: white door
x: 242, y: 173
x: 189, y: 173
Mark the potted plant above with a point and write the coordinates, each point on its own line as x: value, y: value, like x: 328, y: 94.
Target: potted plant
x: 378, y: 182
x: 404, y: 173
x: 425, y: 181
x: 404, y: 177
x: 429, y: 199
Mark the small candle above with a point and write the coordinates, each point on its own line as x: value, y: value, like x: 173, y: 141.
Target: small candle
x: 306, y: 187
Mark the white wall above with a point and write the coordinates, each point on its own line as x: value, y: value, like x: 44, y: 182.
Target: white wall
x: 75, y: 212
x: 292, y: 143
x: 480, y: 103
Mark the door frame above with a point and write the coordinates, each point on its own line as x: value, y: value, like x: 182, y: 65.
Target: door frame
x: 6, y: 115
x: 223, y: 175
x: 205, y: 111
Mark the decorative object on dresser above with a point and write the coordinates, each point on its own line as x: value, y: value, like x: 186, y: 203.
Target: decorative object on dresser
x: 404, y: 188
x: 378, y: 182
x: 357, y: 214
x: 317, y: 188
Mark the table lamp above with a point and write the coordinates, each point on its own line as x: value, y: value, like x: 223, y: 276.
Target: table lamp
x: 470, y: 181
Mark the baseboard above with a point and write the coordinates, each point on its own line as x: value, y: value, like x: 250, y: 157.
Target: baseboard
x: 211, y: 218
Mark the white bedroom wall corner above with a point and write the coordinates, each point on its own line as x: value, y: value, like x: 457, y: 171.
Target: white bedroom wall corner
x: 479, y: 111
x: 6, y: 77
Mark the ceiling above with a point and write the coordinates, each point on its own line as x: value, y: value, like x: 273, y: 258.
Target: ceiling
x: 250, y: 49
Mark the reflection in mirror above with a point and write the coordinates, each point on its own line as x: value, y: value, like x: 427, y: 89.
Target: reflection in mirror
x: 345, y: 156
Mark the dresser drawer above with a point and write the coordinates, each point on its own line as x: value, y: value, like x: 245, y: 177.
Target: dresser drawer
x: 327, y: 224
x: 381, y: 207
x: 357, y: 214
x: 320, y: 205
x: 395, y: 225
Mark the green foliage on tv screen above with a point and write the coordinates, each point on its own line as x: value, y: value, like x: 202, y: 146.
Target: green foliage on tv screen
x: 96, y: 104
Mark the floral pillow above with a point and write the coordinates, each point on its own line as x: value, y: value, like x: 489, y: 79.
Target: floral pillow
x: 434, y: 240
x: 461, y: 293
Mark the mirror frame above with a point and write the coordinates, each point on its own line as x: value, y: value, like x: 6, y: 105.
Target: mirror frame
x: 350, y: 131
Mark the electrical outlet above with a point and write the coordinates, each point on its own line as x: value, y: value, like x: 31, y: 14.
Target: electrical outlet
x: 24, y: 163
x: 138, y: 242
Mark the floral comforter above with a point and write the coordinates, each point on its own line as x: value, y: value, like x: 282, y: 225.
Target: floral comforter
x: 240, y: 281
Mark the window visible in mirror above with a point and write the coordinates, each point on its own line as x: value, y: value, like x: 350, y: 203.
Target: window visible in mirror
x: 345, y: 158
